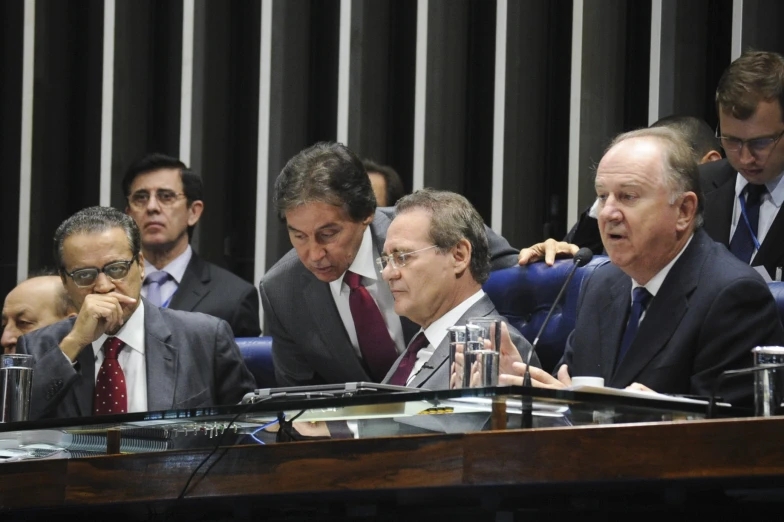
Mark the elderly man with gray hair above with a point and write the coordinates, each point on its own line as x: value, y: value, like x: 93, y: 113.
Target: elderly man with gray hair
x: 674, y: 309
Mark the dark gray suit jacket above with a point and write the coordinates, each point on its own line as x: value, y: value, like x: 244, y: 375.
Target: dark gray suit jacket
x: 211, y: 290
x: 192, y: 362
x: 718, y: 179
x: 434, y: 375
x: 711, y: 310
x: 310, y: 345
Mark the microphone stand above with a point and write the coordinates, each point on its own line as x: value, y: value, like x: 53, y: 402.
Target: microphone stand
x: 731, y: 374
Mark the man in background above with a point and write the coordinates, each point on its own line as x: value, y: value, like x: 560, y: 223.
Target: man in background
x: 165, y: 199
x: 386, y: 183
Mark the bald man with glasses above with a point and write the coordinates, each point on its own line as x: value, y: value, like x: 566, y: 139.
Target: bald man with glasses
x: 122, y: 354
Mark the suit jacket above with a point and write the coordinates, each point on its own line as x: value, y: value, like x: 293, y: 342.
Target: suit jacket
x: 211, y: 290
x: 310, y: 345
x: 434, y: 375
x: 192, y: 361
x: 710, y: 311
x: 718, y: 183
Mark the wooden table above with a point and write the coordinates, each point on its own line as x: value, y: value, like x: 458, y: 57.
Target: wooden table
x: 703, y: 465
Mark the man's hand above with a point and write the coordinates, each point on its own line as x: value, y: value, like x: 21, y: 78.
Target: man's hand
x: 99, y: 313
x: 547, y: 250
x: 539, y: 377
x: 508, y: 351
x: 636, y: 386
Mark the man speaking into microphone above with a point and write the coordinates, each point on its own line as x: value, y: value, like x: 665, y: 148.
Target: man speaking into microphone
x: 673, y: 309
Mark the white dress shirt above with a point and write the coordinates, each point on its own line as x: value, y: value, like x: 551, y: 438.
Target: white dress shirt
x: 365, y: 265
x: 769, y: 206
x: 436, y: 332
x: 176, y: 270
x: 131, y: 359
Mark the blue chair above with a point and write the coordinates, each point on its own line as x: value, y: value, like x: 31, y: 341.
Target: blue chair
x: 524, y: 295
x: 257, y: 354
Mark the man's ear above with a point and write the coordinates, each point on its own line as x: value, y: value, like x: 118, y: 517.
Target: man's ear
x: 687, y: 211
x: 461, y: 253
x: 713, y: 155
x: 194, y: 212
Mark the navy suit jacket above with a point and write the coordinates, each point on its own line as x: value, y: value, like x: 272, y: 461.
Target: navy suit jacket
x: 718, y: 183
x: 192, y: 361
x: 211, y: 290
x: 310, y: 345
x: 711, y: 310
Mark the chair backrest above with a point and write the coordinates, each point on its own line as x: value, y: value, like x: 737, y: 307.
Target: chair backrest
x: 257, y: 354
x: 524, y: 295
x: 777, y: 289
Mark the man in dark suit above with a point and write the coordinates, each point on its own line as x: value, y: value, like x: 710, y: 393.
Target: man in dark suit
x: 315, y: 296
x: 156, y: 358
x: 165, y: 199
x: 674, y: 309
x: 435, y: 260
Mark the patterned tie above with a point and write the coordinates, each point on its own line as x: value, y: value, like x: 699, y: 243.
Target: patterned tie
x: 640, y: 298
x: 401, y: 375
x: 742, y: 244
x: 377, y: 347
x: 110, y: 392
x: 154, y: 282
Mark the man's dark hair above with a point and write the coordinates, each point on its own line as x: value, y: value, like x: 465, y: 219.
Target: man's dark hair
x: 698, y: 133
x: 329, y: 173
x: 754, y: 77
x: 452, y: 218
x: 392, y: 180
x: 191, y: 183
x: 94, y: 220
x: 64, y: 304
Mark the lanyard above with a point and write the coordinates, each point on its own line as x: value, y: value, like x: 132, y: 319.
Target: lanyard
x: 746, y: 220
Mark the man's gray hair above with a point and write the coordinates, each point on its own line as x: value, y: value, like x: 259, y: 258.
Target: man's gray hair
x: 452, y: 218
x: 679, y: 167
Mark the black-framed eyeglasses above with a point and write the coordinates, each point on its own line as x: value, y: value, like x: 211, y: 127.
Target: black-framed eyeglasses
x: 755, y: 146
x: 398, y: 259
x: 115, y: 271
x: 165, y: 198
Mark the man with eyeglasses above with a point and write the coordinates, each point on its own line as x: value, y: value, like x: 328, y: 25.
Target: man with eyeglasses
x: 331, y: 316
x: 435, y: 261
x: 165, y: 199
x: 121, y: 354
x: 743, y: 193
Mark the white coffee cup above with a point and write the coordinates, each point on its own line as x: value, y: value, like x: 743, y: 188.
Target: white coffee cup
x: 596, y: 382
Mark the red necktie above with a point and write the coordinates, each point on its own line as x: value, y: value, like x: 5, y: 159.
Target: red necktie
x: 110, y: 392
x: 400, y: 377
x: 375, y: 343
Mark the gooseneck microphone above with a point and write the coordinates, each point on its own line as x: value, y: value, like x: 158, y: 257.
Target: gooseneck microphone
x: 581, y: 258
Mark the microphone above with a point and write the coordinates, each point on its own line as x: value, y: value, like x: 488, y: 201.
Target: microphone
x: 581, y: 258
x: 731, y: 374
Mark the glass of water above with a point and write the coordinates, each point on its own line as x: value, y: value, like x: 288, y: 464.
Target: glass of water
x: 483, y: 357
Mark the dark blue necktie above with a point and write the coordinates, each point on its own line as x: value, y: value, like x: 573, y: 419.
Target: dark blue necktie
x: 742, y: 244
x: 640, y: 299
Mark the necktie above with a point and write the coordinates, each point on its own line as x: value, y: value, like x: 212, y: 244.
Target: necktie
x: 742, y: 244
x: 377, y: 347
x: 154, y: 282
x: 640, y: 298
x: 407, y: 362
x: 110, y: 391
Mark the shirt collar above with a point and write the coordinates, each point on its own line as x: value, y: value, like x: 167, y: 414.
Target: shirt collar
x: 436, y: 332
x: 775, y: 188
x: 364, y: 263
x: 656, y: 281
x: 131, y: 333
x: 176, y: 268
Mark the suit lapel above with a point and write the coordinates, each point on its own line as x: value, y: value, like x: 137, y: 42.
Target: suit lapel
x: 612, y: 323
x: 193, y: 287
x: 718, y: 211
x: 84, y: 387
x: 664, y: 314
x: 161, y: 360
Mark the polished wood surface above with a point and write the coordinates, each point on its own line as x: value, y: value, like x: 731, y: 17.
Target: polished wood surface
x: 730, y: 451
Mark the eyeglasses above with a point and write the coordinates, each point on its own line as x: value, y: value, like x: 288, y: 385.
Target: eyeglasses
x: 115, y: 271
x: 398, y: 259
x: 755, y: 146
x: 164, y: 197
